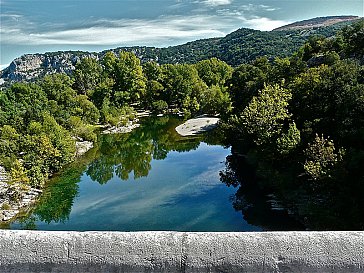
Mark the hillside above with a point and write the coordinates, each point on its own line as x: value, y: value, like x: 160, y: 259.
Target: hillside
x: 240, y: 46
x: 318, y: 22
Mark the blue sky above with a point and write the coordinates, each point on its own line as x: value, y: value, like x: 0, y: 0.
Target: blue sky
x: 31, y: 26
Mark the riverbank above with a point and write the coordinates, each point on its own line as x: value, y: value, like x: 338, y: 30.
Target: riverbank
x: 130, y: 126
x: 17, y: 197
x: 197, y: 126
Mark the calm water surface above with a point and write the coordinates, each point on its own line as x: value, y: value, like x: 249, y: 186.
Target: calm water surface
x: 150, y: 179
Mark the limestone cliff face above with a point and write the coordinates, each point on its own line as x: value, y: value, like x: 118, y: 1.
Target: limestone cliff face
x: 32, y: 66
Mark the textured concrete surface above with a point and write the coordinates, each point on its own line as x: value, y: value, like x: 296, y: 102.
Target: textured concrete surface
x: 40, y: 251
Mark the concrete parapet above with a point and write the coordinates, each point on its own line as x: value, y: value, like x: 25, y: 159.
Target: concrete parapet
x: 44, y: 251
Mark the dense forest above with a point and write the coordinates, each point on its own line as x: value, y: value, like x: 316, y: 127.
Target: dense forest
x: 298, y: 120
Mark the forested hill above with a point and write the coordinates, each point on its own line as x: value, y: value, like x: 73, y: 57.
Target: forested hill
x: 241, y: 46
x: 318, y: 22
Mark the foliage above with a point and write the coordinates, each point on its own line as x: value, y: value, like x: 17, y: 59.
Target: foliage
x: 215, y: 100
x: 280, y: 129
x: 278, y: 99
x: 321, y: 158
x: 244, y: 84
x: 87, y: 75
x: 18, y: 173
x: 352, y: 37
x: 214, y: 72
x: 159, y: 106
x: 265, y: 114
x: 290, y: 140
x: 80, y: 129
x: 127, y: 75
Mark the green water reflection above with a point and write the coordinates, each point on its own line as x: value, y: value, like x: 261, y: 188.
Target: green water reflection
x: 152, y: 179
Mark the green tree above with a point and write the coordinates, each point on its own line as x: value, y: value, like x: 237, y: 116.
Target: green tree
x: 21, y: 103
x: 183, y: 87
x: 87, y: 76
x: 245, y: 83
x: 61, y: 96
x: 127, y: 74
x: 321, y: 158
x: 9, y: 145
x: 86, y: 110
x: 353, y: 39
x: 214, y: 72
x: 58, y: 87
x: 215, y: 100
x: 265, y: 115
x: 154, y: 87
x: 289, y: 140
x: 18, y: 173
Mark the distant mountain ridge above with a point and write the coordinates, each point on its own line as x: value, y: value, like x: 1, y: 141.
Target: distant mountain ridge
x: 318, y: 22
x: 240, y: 46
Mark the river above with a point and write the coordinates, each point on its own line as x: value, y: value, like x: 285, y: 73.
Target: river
x: 153, y: 179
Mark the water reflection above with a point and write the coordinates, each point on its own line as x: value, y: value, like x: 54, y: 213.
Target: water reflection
x: 258, y: 207
x: 124, y: 154
x: 150, y: 179
x: 154, y: 179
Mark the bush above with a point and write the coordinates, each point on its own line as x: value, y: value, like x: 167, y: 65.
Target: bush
x: 159, y: 106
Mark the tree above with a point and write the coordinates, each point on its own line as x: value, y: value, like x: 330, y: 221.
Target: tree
x: 266, y: 113
x: 183, y: 87
x: 329, y: 100
x: 321, y: 158
x: 9, y: 145
x: 154, y: 87
x: 58, y: 87
x: 87, y: 110
x: 87, y: 76
x: 61, y: 96
x: 215, y: 100
x: 244, y: 84
x: 289, y: 140
x: 353, y: 39
x: 127, y: 74
x: 214, y: 72
x: 23, y: 102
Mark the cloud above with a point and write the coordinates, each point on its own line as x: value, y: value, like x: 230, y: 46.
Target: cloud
x: 265, y: 24
x: 162, y: 31
x: 268, y: 8
x: 215, y: 3
x: 3, y: 66
x: 111, y: 32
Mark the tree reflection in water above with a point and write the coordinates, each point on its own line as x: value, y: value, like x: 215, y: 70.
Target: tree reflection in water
x: 124, y: 154
x: 114, y: 155
x: 254, y: 203
x: 294, y: 204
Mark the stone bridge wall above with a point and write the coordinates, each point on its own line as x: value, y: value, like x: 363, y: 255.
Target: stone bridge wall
x: 40, y: 251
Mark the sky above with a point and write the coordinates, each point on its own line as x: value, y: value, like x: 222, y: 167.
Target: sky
x: 38, y: 26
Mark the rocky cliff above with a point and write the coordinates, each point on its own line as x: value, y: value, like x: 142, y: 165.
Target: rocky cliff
x: 31, y: 66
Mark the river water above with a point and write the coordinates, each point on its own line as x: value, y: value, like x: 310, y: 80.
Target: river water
x: 152, y: 179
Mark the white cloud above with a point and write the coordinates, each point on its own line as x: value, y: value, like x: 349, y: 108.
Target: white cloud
x: 265, y: 24
x: 125, y: 31
x: 215, y: 3
x: 3, y: 66
x: 163, y: 31
x: 268, y: 8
